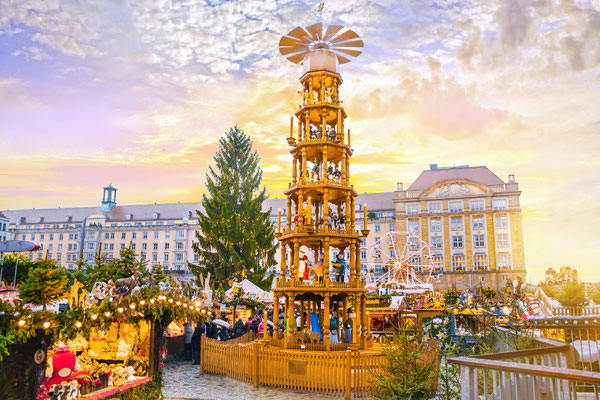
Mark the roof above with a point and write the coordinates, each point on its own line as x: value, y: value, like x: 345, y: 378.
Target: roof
x: 166, y: 211
x: 2, y: 215
x: 430, y: 177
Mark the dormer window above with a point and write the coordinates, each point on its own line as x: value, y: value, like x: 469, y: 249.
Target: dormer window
x: 187, y: 214
x: 67, y: 219
x: 41, y: 219
x: 129, y: 216
x: 155, y: 215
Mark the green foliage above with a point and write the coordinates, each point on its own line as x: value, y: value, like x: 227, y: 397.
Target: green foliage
x: 451, y: 297
x: 572, y: 294
x: 595, y: 294
x: 220, y: 292
x: 551, y: 290
x: 241, y: 301
x: 103, y: 270
x: 45, y: 284
x: 8, y: 263
x: 488, y: 293
x: 151, y: 390
x: 158, y: 275
x: 384, y: 299
x: 411, y: 369
x: 371, y: 215
x: 235, y: 234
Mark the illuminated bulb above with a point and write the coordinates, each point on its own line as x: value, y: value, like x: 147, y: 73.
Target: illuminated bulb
x: 170, y: 300
x: 107, y: 314
x: 152, y: 301
x: 184, y: 305
x: 94, y: 317
x: 197, y: 304
x: 21, y: 322
x: 78, y: 324
x: 132, y: 306
x: 178, y: 303
x: 120, y: 309
x: 142, y: 302
x: 203, y: 311
x: 46, y: 325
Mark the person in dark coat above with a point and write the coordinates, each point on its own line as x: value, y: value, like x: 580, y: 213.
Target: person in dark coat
x: 196, y: 338
x: 238, y: 328
x: 254, y: 325
x: 222, y: 334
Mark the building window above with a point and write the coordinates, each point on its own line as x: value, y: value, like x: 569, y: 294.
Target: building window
x: 364, y: 242
x: 132, y: 246
x: 122, y: 246
x: 412, y: 209
x: 377, y: 228
x: 133, y: 235
x: 480, y: 261
x: 438, y: 261
x: 413, y: 244
x: 456, y: 223
x: 69, y: 247
x: 456, y: 206
x: 413, y: 226
x: 503, y: 260
x: 75, y: 247
x: 476, y: 205
x: 144, y: 246
x: 501, y: 222
x: 167, y: 235
x: 500, y: 204
x: 60, y: 247
x: 392, y: 253
x: 145, y: 235
x: 105, y: 246
x: 166, y: 257
x: 392, y: 228
x: 51, y: 236
x: 196, y: 257
x: 378, y: 241
x: 123, y: 235
x: 479, y: 240
x: 436, y: 225
x: 90, y: 246
x: 155, y: 246
x: 76, y: 236
x: 179, y: 257
x: 166, y: 246
x: 106, y: 236
x: 504, y: 278
x: 156, y: 235
x: 434, y: 207
x: 179, y: 246
x: 457, y: 242
x: 154, y: 257
x: 436, y: 242
x: 458, y: 262
x: 42, y: 237
x: 502, y: 240
x: 477, y: 223
x: 180, y: 234
x: 32, y: 237
x: 482, y: 278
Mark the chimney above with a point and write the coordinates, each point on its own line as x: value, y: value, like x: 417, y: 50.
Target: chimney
x: 511, y: 178
x: 433, y: 167
x: 399, y: 186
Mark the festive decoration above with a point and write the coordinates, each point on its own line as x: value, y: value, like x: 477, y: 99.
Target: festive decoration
x: 235, y: 234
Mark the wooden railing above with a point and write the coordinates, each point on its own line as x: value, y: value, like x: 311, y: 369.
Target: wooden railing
x: 343, y: 373
x: 245, y: 338
x: 542, y: 372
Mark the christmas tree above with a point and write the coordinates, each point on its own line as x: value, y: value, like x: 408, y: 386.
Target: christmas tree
x: 236, y: 235
x: 45, y: 284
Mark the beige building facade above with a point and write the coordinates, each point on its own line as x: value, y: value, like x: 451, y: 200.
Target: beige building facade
x: 469, y: 217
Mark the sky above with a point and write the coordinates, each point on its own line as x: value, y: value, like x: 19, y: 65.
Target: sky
x: 138, y: 92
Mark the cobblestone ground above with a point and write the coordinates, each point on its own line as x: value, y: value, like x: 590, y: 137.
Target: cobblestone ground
x: 184, y: 382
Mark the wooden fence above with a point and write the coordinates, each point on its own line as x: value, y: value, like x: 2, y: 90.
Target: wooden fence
x: 344, y: 373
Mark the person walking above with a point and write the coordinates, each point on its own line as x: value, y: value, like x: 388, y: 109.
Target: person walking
x: 238, y: 328
x: 196, y: 344
x: 188, y: 332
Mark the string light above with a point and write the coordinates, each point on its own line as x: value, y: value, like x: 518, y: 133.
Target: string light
x: 142, y: 302
x: 184, y: 305
x: 132, y: 306
x: 120, y: 309
x: 46, y: 325
x: 178, y: 303
x: 21, y: 322
x: 78, y: 324
x: 94, y: 317
x: 197, y: 304
x: 170, y: 300
x: 152, y: 301
x: 107, y: 314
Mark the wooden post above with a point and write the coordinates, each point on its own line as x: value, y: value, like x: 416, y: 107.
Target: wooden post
x: 355, y: 319
x: 348, y: 138
x: 348, y: 376
x: 289, y: 214
x: 326, y: 262
x: 324, y: 168
x: 294, y: 171
x: 295, y: 267
x: 276, y: 316
x: 265, y: 319
x: 255, y: 365
x: 282, y: 263
x: 292, y: 126
x: 326, y: 318
x: 301, y: 314
x: 352, y: 264
x: 364, y: 322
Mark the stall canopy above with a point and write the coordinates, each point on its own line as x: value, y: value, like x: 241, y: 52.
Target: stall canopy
x: 249, y: 289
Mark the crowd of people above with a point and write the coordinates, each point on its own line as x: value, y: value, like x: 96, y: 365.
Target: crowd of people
x: 220, y: 329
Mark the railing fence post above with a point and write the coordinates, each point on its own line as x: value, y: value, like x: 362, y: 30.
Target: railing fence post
x: 348, y: 376
x: 255, y: 364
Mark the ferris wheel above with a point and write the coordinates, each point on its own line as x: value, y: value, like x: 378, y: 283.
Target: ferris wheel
x: 410, y: 269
